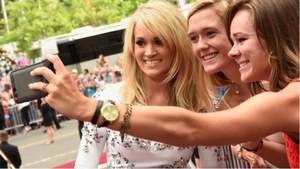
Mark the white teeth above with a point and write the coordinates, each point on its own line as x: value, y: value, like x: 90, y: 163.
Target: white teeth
x: 209, y: 56
x: 151, y: 62
x: 243, y: 64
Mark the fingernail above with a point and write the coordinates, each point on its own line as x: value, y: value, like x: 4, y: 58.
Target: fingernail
x: 30, y: 85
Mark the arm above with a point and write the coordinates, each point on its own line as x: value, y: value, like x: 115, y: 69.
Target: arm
x: 261, y: 115
x: 249, y: 121
x: 18, y: 161
x: 273, y: 149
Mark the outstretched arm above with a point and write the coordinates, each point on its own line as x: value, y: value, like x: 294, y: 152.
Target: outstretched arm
x: 255, y: 118
x: 260, y: 116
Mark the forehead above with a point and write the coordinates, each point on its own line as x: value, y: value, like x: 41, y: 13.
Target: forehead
x: 140, y: 30
x: 204, y: 18
x: 242, y: 22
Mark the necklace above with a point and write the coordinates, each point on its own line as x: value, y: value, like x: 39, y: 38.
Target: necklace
x: 229, y: 91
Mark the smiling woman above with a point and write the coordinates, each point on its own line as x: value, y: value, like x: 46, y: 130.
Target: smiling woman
x: 179, y: 126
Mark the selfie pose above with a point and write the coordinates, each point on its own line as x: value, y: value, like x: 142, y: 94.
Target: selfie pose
x: 159, y: 69
x: 266, y: 47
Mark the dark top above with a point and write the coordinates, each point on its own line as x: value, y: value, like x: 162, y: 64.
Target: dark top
x: 46, y: 113
x: 12, y: 153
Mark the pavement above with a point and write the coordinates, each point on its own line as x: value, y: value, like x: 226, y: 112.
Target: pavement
x: 36, y: 154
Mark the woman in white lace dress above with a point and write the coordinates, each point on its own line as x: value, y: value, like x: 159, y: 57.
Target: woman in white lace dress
x: 159, y: 69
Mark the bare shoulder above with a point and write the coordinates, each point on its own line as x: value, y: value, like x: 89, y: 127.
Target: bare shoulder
x: 291, y: 92
x: 289, y: 98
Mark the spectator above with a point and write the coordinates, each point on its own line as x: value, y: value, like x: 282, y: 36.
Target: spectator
x: 47, y: 111
x: 2, y: 117
x: 10, y: 151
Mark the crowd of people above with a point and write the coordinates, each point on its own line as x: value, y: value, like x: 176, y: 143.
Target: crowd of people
x: 13, y: 115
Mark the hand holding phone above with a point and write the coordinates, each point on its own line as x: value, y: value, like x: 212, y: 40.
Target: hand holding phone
x: 20, y: 79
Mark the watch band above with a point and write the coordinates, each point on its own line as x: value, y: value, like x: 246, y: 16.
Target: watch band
x: 97, y: 112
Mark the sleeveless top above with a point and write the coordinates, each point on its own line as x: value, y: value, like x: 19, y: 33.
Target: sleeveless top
x: 292, y: 147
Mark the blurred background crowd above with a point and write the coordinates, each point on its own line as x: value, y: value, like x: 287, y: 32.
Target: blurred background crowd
x: 16, y: 118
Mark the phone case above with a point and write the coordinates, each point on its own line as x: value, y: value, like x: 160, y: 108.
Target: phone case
x: 20, y: 79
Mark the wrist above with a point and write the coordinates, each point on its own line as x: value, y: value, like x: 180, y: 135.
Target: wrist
x: 253, y: 148
x: 86, y: 109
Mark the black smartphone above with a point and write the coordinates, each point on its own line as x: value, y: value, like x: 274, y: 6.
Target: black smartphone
x: 20, y: 79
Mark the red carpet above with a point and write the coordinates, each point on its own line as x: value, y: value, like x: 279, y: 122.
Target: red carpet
x: 71, y: 164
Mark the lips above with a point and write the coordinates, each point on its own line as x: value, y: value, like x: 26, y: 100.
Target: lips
x: 209, y: 56
x: 243, y: 64
x: 152, y: 62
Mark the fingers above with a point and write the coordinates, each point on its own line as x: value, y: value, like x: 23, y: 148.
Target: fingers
x: 58, y: 64
x: 39, y: 86
x: 45, y: 72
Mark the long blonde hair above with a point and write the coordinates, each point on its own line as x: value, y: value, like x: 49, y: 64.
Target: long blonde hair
x: 166, y: 21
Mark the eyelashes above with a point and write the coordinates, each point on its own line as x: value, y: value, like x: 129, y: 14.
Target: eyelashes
x: 141, y: 42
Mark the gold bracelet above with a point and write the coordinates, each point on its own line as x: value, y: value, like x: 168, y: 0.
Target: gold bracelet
x: 125, y: 124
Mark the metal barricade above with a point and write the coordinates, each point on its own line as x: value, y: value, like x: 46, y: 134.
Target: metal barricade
x: 16, y: 117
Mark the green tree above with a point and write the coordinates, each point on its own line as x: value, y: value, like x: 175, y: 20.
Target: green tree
x: 31, y: 20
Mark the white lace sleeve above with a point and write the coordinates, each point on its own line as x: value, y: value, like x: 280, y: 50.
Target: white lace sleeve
x: 91, y: 146
x: 93, y: 138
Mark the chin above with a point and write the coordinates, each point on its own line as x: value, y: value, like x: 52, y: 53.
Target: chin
x: 211, y: 70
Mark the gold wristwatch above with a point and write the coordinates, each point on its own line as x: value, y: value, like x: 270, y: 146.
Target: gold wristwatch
x: 109, y: 112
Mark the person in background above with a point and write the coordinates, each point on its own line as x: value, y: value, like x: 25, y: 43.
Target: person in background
x: 158, y: 62
x: 24, y: 109
x: 10, y: 151
x: 47, y: 111
x: 2, y: 116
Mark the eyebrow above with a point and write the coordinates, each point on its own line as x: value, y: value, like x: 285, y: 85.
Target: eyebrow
x: 205, y: 29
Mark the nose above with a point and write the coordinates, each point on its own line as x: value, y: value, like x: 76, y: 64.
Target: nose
x: 150, y: 50
x: 202, y: 44
x: 233, y: 52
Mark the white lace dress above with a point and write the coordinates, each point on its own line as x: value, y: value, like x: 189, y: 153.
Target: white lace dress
x: 133, y: 152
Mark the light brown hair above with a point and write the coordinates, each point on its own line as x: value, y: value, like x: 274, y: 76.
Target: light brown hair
x: 277, y: 23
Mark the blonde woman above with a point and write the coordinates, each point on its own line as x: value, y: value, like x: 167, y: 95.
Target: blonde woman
x: 159, y: 69
x: 266, y: 47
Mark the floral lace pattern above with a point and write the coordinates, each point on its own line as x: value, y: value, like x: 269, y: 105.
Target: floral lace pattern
x: 133, y: 152
x: 122, y: 154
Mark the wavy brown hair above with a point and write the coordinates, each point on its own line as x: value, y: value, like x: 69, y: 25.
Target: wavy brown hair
x: 219, y: 79
x: 277, y: 23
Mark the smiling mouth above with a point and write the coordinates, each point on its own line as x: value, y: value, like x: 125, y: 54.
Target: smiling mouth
x: 209, y: 56
x: 151, y: 62
x: 243, y: 64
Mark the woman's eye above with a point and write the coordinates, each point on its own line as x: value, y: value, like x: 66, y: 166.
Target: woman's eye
x: 194, y: 39
x: 241, y: 39
x: 140, y: 42
x: 210, y: 34
x: 158, y: 42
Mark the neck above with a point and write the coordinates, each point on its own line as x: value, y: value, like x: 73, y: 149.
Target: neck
x: 242, y: 90
x: 232, y: 72
x: 156, y: 92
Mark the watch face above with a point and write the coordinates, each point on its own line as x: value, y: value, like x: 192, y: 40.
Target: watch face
x: 110, y: 112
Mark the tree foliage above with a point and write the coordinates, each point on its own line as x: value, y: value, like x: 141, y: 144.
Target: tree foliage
x: 31, y: 20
